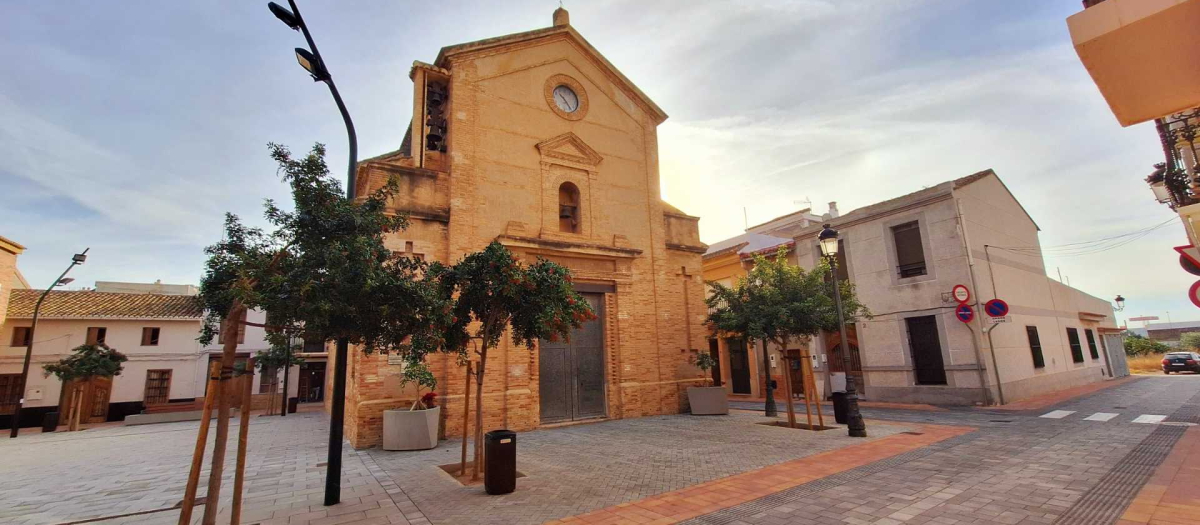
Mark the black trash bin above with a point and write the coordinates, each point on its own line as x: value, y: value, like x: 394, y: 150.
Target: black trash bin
x: 293, y: 402
x: 500, y: 462
x: 50, y: 422
x: 841, y: 406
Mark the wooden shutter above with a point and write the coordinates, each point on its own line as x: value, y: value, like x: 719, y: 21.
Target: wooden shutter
x: 150, y: 336
x: 1091, y: 339
x: 96, y: 335
x: 158, y: 387
x: 1035, y: 347
x: 1076, y: 348
x: 20, y: 336
x: 910, y: 255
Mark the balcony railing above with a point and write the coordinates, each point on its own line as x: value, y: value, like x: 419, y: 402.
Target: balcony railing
x: 1175, y: 180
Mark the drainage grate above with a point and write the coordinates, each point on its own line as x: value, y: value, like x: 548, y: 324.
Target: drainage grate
x: 1000, y: 420
x: 765, y: 503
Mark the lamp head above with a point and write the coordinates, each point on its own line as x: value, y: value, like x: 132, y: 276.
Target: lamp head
x: 829, y: 241
x: 284, y: 15
x: 1120, y: 303
x: 312, y: 64
x: 65, y: 281
x: 79, y: 258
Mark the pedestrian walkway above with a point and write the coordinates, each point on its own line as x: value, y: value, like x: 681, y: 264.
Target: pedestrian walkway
x: 1171, y: 497
x: 1147, y: 419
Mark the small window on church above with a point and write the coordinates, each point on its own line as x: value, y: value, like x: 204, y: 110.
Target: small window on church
x: 568, y: 208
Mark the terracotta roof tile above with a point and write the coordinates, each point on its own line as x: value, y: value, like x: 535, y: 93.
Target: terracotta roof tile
x: 90, y: 305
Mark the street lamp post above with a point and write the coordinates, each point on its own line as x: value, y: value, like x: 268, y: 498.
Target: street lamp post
x: 312, y: 62
x: 829, y: 248
x: 76, y: 260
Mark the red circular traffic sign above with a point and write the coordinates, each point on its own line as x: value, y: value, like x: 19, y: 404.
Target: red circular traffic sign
x: 1194, y: 294
x: 964, y: 313
x: 996, y: 308
x: 961, y: 294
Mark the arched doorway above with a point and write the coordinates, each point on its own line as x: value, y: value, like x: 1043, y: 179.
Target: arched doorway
x: 833, y: 347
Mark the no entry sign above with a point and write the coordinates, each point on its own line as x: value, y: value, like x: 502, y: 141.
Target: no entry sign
x: 996, y: 308
x: 961, y: 294
x: 964, y: 313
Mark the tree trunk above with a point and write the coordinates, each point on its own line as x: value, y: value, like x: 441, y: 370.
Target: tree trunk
x: 218, y: 459
x: 479, y: 411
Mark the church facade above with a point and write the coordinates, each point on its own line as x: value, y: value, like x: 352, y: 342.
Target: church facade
x: 535, y: 140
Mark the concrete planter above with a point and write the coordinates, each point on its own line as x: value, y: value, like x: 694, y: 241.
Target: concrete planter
x: 410, y: 429
x: 708, y: 400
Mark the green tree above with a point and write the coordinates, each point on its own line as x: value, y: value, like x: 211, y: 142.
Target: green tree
x: 780, y: 302
x: 493, y: 292
x: 85, y: 362
x: 1190, y: 341
x: 322, y: 272
x: 1136, y: 345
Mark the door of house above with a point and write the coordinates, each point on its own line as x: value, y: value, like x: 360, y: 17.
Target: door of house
x: 795, y: 364
x: 833, y: 342
x: 571, y: 373
x: 311, y: 382
x: 926, y: 350
x: 94, y: 404
x: 1114, y: 346
x: 739, y: 366
x: 715, y: 353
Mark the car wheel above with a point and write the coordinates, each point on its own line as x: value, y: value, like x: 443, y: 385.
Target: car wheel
x: 1168, y: 372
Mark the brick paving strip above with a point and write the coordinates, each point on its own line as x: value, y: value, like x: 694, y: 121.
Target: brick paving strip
x: 716, y: 495
x: 1170, y: 494
x: 1062, y: 396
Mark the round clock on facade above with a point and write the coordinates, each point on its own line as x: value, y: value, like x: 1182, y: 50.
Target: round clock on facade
x: 566, y: 99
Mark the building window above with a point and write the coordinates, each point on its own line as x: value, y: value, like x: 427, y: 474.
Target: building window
x: 1091, y: 339
x: 96, y: 335
x: 150, y: 336
x: 158, y: 387
x: 568, y: 208
x: 313, y: 347
x: 1076, y: 349
x: 21, y: 335
x: 1035, y: 347
x: 268, y: 380
x: 10, y: 392
x: 910, y: 255
x: 241, y: 330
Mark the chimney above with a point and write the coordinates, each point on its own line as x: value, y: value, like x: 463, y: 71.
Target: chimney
x: 833, y: 211
x: 561, y: 17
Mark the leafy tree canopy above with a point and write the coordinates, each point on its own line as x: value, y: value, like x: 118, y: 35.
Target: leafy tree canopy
x: 779, y: 301
x: 1190, y: 341
x: 87, y: 361
x: 324, y: 272
x: 1136, y: 345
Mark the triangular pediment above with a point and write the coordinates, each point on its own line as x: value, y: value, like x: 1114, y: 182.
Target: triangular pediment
x: 571, y: 148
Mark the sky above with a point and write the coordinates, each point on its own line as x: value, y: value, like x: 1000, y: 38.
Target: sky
x: 132, y: 127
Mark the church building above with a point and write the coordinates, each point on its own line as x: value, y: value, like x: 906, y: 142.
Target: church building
x: 535, y: 140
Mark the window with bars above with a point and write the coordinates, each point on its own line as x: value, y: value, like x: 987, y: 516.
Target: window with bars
x: 96, y: 335
x: 10, y: 392
x: 1091, y: 339
x: 150, y: 336
x: 268, y: 379
x: 21, y: 336
x: 910, y: 255
x: 158, y: 387
x: 241, y: 331
x: 1076, y: 348
x: 1035, y: 347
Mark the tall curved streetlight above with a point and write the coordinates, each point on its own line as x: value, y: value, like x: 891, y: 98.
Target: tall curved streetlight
x: 829, y: 248
x: 312, y: 62
x: 62, y: 280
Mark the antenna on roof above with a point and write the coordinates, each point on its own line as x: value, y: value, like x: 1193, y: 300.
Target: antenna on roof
x: 745, y: 219
x: 806, y: 201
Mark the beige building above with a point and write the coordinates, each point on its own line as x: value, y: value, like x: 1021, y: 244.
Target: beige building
x: 905, y: 256
x: 10, y: 276
x: 535, y: 140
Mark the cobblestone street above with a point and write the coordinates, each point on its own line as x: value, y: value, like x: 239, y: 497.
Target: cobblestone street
x: 1081, y: 461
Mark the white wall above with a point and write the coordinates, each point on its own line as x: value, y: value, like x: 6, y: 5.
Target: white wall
x: 177, y: 350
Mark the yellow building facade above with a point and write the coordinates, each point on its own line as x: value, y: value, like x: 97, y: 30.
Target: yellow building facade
x: 535, y: 140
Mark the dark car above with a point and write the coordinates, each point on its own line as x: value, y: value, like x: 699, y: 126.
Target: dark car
x: 1181, y: 362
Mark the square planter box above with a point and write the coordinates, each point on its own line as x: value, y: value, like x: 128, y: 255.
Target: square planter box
x: 708, y: 400
x: 410, y: 429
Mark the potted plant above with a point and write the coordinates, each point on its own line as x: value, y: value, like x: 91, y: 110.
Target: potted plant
x: 707, y: 400
x: 417, y: 427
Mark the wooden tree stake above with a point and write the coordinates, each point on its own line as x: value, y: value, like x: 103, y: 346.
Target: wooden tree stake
x: 218, y: 457
x: 189, y: 495
x: 787, y: 385
x: 239, y: 476
x: 462, y: 469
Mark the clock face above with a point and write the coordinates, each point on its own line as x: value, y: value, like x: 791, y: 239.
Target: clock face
x: 566, y: 99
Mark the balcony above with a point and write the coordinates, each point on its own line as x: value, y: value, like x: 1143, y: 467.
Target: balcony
x: 1144, y: 55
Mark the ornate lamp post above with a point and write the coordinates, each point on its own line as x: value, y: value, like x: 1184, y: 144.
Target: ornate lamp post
x: 1120, y: 303
x: 829, y: 248
x: 315, y: 65
x: 76, y: 260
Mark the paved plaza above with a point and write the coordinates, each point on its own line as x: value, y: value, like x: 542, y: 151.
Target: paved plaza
x: 1081, y: 461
